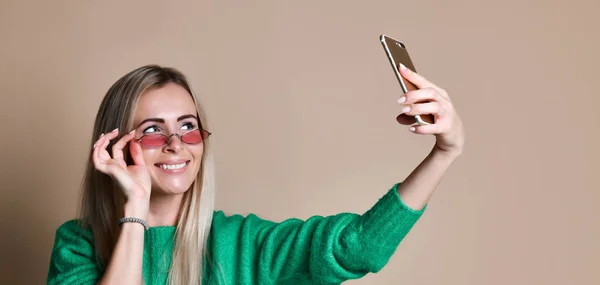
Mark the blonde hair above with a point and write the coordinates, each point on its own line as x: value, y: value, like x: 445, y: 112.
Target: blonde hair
x: 103, y: 201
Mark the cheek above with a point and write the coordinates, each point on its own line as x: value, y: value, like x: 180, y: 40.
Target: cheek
x: 149, y: 155
x: 197, y: 151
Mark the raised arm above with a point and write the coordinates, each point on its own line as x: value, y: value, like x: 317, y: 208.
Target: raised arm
x: 330, y: 250
x: 320, y: 250
x: 448, y: 130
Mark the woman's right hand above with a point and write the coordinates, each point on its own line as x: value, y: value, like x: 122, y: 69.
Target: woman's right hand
x: 134, y: 179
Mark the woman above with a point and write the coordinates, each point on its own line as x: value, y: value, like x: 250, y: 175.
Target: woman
x: 147, y: 210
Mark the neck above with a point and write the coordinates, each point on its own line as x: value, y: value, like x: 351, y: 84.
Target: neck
x: 164, y: 209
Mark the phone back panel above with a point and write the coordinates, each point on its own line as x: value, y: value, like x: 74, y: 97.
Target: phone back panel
x: 397, y: 54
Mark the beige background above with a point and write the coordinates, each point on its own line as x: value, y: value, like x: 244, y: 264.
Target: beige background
x: 301, y: 101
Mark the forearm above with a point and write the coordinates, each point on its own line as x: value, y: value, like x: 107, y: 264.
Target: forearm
x: 416, y: 190
x: 125, y: 266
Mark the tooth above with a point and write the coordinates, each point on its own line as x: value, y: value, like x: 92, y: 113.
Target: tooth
x: 174, y: 166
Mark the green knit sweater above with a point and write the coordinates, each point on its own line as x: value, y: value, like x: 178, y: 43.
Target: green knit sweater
x: 250, y: 250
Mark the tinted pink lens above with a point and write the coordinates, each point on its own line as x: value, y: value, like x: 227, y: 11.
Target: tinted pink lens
x: 153, y: 140
x: 194, y: 136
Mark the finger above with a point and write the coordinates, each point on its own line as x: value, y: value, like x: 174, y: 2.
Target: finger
x: 102, y: 152
x: 422, y: 108
x: 136, y: 153
x: 107, y: 141
x: 98, y: 140
x: 98, y: 161
x: 425, y: 129
x: 117, y: 148
x: 419, y: 95
x: 112, y: 134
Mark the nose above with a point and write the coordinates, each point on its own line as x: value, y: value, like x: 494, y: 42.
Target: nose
x: 174, y: 144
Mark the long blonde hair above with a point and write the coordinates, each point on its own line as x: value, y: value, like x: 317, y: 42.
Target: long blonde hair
x: 103, y: 201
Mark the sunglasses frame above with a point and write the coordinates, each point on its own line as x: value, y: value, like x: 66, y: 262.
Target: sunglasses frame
x: 174, y: 134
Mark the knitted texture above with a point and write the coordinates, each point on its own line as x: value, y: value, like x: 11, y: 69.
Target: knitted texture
x: 251, y: 250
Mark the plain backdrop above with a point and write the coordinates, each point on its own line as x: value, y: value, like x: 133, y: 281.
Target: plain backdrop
x: 302, y: 104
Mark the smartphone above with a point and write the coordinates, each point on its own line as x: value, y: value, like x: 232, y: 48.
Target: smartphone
x: 397, y: 53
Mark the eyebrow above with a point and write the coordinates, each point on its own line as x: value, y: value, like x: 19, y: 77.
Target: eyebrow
x: 162, y: 121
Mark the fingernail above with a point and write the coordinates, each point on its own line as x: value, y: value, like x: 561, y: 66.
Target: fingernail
x: 114, y: 130
x: 412, y: 129
x: 402, y: 66
x: 402, y: 99
x: 102, y: 134
x: 405, y: 109
x: 132, y: 132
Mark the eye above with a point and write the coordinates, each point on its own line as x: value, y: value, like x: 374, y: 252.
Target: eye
x: 151, y: 129
x: 188, y: 126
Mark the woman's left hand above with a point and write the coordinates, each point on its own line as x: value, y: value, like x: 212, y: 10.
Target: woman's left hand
x: 431, y: 99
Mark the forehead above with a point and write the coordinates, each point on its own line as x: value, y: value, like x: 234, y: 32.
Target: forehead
x: 167, y: 102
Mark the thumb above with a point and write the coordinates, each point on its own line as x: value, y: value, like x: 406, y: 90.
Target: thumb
x: 135, y: 149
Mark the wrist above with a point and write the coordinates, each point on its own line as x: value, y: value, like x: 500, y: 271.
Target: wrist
x: 445, y: 155
x: 136, y: 210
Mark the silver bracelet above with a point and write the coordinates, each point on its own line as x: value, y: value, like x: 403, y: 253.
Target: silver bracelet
x: 133, y: 220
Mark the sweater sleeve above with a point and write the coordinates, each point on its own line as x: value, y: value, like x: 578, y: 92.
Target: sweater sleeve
x: 323, y: 250
x: 73, y: 257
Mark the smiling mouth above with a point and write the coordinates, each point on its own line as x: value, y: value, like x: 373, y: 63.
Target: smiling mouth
x: 172, y: 166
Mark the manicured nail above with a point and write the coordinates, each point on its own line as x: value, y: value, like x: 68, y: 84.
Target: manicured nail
x: 405, y: 109
x: 412, y: 129
x: 402, y: 67
x: 132, y: 132
x: 102, y: 134
x: 114, y: 130
x: 402, y: 99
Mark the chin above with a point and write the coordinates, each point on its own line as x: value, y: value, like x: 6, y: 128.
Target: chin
x: 170, y: 189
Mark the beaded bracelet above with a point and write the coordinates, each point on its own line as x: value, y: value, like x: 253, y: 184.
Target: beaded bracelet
x: 133, y: 220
